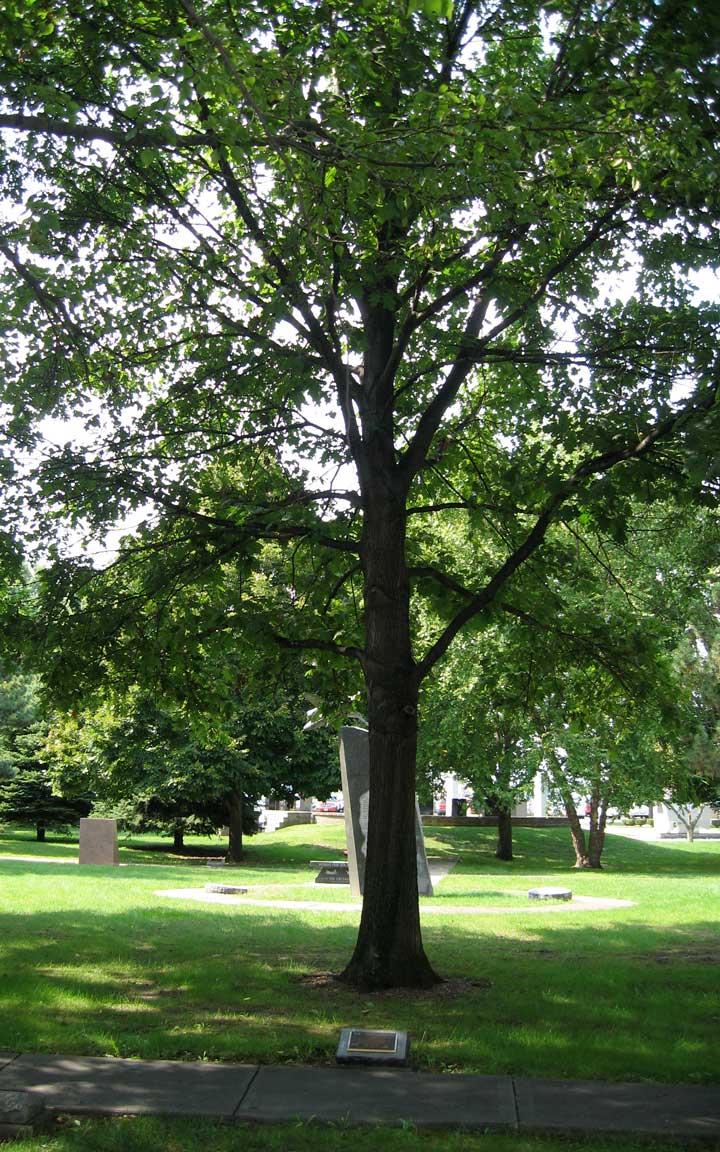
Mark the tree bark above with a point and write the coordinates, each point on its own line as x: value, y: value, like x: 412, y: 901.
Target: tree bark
x: 596, y: 840
x: 389, y: 950
x: 504, y: 850
x: 235, y: 829
x: 576, y: 832
x: 40, y: 833
x: 179, y: 836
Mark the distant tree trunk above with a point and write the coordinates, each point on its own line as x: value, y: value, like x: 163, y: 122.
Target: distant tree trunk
x: 504, y: 850
x: 40, y: 833
x: 596, y: 839
x: 577, y: 833
x: 235, y: 829
x: 178, y: 836
x: 684, y: 814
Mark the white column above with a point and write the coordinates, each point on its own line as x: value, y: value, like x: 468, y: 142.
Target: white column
x: 540, y: 796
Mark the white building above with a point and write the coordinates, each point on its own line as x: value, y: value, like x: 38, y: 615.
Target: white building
x: 456, y: 791
x: 673, y: 820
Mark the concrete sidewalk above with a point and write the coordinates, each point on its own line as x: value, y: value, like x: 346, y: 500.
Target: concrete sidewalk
x: 272, y: 1094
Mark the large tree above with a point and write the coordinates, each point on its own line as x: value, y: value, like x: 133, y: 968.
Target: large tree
x: 379, y: 234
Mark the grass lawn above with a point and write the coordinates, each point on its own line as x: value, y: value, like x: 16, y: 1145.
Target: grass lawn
x: 93, y: 962
x: 155, y: 1135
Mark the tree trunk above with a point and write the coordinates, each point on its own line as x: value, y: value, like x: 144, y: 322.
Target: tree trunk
x: 40, y: 833
x: 178, y: 836
x: 598, y: 820
x: 504, y: 850
x: 576, y: 832
x: 389, y: 951
x: 235, y: 829
x: 596, y: 837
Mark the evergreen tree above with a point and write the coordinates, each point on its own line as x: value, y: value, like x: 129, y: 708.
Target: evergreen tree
x: 26, y: 793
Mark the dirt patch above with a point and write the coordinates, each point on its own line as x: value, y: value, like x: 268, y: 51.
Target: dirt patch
x: 685, y: 956
x: 447, y: 990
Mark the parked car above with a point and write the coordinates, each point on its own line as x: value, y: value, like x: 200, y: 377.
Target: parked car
x: 328, y: 806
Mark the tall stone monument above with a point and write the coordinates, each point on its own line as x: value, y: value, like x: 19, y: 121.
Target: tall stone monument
x: 355, y: 772
x: 98, y: 841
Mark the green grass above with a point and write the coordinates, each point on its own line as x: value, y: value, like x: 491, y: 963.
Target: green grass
x: 92, y: 961
x: 156, y: 1135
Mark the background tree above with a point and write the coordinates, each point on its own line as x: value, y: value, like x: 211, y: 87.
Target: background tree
x: 147, y: 763
x: 586, y: 670
x: 694, y: 762
x: 476, y: 721
x: 27, y: 795
x: 372, y: 235
x: 598, y: 761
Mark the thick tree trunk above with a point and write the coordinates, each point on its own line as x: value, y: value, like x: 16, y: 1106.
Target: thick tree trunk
x: 389, y: 951
x: 179, y: 836
x: 40, y: 833
x: 504, y: 850
x: 235, y: 829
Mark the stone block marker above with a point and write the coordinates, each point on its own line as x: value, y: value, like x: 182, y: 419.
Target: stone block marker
x: 98, y: 842
x: 20, y: 1114
x: 550, y: 894
x: 355, y: 772
x: 373, y: 1046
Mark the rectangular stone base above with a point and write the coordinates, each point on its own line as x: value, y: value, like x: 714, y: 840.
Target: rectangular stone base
x: 21, y: 1113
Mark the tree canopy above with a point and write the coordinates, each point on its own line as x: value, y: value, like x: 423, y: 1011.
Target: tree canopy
x: 145, y: 762
x: 314, y: 275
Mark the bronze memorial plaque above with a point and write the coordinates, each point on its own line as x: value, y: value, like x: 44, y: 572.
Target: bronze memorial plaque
x: 372, y: 1046
x: 363, y: 1040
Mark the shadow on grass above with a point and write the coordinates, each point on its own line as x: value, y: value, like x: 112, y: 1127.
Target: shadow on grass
x: 535, y: 850
x: 266, y: 850
x: 610, y: 1000
x: 540, y: 849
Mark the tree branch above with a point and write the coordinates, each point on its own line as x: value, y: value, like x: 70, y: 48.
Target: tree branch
x: 121, y: 137
x: 597, y: 464
x: 470, y: 341
x: 316, y: 645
